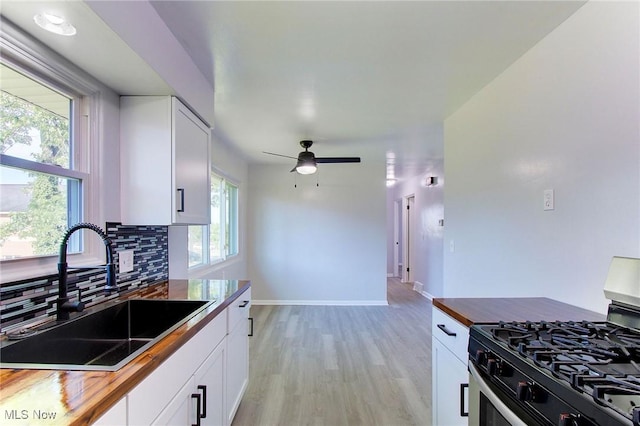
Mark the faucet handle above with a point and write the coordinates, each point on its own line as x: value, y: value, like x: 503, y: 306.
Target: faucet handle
x: 111, y: 283
x: 73, y: 306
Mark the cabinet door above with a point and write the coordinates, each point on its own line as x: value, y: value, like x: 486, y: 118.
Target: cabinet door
x: 450, y: 380
x: 237, y: 367
x: 192, y: 200
x: 182, y: 410
x: 116, y: 416
x: 210, y: 383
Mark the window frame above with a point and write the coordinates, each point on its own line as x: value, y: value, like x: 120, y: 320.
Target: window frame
x: 207, y: 260
x: 37, y: 61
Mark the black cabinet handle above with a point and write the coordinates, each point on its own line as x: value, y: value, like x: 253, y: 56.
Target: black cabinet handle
x: 203, y: 388
x: 447, y: 332
x: 463, y: 386
x: 181, y: 191
x: 251, y: 327
x: 196, y: 396
x: 243, y: 304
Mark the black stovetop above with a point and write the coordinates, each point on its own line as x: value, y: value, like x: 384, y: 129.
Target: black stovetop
x: 597, y: 361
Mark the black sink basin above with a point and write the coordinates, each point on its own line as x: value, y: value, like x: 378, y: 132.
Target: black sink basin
x: 102, y: 340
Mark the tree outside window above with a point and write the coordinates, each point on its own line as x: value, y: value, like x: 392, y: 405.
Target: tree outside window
x: 39, y: 195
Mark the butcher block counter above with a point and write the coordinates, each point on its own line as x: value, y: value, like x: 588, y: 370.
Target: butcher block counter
x: 451, y: 319
x: 469, y: 311
x: 61, y: 397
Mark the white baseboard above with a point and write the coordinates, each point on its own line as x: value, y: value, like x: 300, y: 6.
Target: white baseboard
x: 322, y: 302
x: 419, y: 287
x: 427, y: 295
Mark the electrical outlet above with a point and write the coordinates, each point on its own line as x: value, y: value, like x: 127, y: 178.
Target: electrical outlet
x: 125, y: 261
x: 549, y: 202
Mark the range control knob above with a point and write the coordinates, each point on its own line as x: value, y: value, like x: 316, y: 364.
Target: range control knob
x: 523, y: 391
x: 480, y: 356
x: 493, y: 367
x: 529, y: 392
x: 567, y: 419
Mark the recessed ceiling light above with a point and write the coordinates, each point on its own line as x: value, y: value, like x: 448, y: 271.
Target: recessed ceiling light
x: 54, y: 24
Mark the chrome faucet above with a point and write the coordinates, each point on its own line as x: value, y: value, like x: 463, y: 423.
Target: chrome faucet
x: 64, y: 305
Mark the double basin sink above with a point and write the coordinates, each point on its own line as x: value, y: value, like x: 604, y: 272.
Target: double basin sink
x: 103, y: 340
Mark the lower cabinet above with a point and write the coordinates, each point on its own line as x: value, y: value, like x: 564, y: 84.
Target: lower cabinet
x: 201, y: 400
x: 117, y: 415
x: 238, y: 349
x: 164, y: 396
x: 450, y: 376
x: 202, y: 383
x: 210, y: 380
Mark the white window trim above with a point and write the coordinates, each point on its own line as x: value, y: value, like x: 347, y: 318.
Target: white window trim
x: 20, y: 50
x: 209, y: 265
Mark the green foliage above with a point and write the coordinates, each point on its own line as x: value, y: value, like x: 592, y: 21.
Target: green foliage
x: 45, y: 219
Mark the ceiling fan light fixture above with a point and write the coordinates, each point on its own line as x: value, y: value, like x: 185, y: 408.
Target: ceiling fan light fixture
x: 306, y: 168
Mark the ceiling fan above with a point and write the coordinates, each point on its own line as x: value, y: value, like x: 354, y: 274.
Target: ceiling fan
x: 307, y: 162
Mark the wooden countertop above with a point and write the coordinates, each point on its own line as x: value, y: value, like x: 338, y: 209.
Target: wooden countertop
x: 485, y: 310
x: 81, y: 397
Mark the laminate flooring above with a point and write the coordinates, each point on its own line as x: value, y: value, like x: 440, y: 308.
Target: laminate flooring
x: 341, y: 365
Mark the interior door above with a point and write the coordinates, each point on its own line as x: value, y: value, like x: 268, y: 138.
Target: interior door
x: 409, y: 222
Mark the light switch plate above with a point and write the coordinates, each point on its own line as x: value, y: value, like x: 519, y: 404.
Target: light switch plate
x: 125, y: 261
x: 549, y: 202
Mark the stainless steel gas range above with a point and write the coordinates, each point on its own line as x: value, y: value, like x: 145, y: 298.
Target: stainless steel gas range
x: 562, y: 372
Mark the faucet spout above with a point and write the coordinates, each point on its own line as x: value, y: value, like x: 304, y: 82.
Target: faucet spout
x: 64, y: 305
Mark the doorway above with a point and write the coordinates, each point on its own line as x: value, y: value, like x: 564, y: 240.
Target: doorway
x: 407, y: 238
x: 397, y: 238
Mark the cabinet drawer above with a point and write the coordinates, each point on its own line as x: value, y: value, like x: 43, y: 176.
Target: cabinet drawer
x: 239, y: 310
x: 451, y: 333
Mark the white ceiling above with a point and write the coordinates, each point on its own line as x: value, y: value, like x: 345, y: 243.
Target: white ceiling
x: 358, y: 78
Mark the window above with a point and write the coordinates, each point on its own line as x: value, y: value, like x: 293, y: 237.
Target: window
x: 219, y: 240
x: 40, y: 180
x: 52, y: 128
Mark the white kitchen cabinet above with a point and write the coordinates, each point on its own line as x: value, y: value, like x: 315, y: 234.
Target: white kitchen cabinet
x: 116, y: 416
x: 182, y: 409
x: 202, y: 395
x: 450, y: 377
x: 164, y: 162
x: 210, y: 381
x: 238, y: 352
x: 160, y: 397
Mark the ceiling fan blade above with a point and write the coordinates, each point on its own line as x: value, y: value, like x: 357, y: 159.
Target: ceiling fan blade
x: 279, y: 155
x: 337, y: 159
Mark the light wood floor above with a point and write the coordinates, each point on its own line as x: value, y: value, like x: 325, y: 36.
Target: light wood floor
x: 341, y: 365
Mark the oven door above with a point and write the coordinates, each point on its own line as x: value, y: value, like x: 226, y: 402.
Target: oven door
x: 485, y: 407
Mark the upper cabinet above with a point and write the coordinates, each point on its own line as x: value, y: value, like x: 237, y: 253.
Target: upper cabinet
x: 164, y: 163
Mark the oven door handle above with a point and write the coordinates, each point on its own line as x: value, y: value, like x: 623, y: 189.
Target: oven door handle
x: 508, y: 415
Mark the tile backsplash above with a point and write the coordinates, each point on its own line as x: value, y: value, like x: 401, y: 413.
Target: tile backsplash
x: 34, y: 300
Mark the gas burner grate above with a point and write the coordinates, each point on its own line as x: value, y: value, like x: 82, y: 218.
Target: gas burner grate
x: 601, y: 360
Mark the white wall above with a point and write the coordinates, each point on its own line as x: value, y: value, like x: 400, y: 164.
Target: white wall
x: 565, y: 116
x: 317, y: 245
x: 426, y: 232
